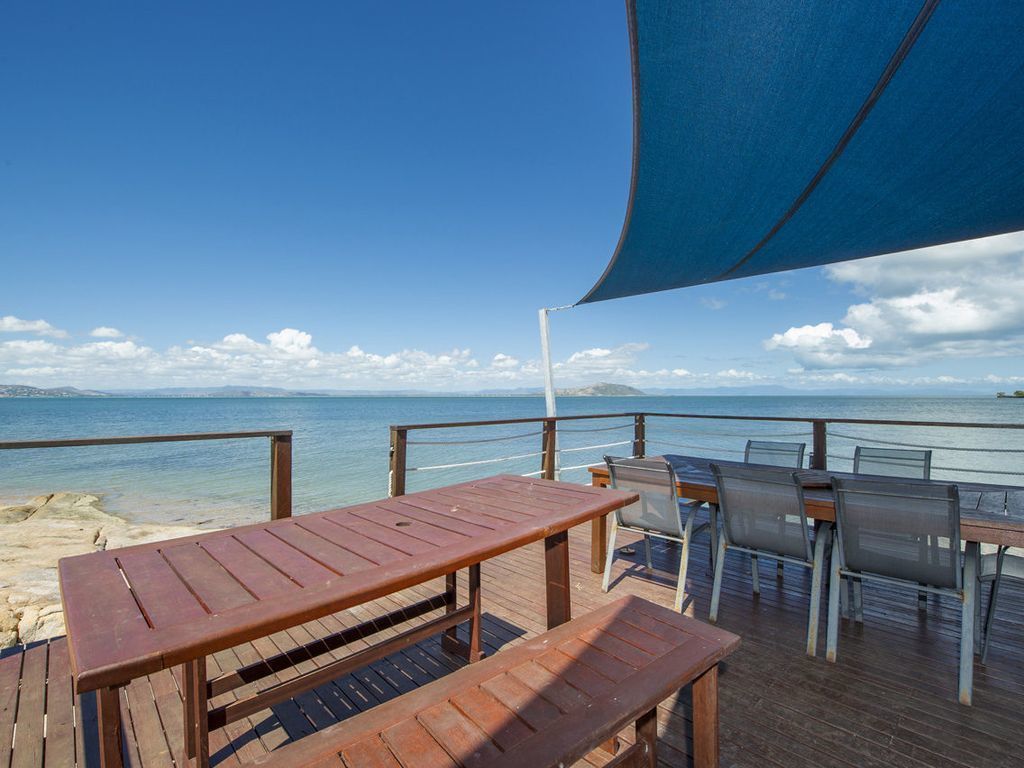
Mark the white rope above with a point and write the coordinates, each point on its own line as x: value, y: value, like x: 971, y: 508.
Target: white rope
x: 468, y: 442
x: 475, y: 463
x: 578, y: 466
x: 594, y: 447
x: 921, y: 445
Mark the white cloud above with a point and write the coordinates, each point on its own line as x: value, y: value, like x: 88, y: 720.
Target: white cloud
x: 957, y: 300
x: 105, y: 332
x: 292, y: 342
x: 713, y: 304
x: 504, y: 361
x: 12, y: 324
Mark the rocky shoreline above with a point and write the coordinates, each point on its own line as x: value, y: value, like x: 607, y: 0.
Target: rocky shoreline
x: 35, y: 535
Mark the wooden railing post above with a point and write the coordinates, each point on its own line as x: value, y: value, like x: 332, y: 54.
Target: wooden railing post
x: 549, y: 447
x: 819, y: 455
x: 281, y: 476
x: 639, y: 435
x: 396, y: 475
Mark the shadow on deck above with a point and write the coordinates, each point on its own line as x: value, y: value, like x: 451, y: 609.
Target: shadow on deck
x: 889, y: 700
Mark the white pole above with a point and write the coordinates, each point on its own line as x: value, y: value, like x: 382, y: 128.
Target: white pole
x: 549, y: 374
x: 545, y: 353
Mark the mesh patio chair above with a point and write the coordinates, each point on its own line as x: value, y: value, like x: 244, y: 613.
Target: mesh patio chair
x: 890, y: 462
x: 879, y: 525
x: 775, y: 455
x: 658, y: 513
x: 993, y: 568
x: 763, y: 514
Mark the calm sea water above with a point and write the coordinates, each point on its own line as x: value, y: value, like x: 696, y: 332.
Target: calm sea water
x: 341, y: 444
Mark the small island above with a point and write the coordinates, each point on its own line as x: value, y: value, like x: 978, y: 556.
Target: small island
x: 1016, y: 393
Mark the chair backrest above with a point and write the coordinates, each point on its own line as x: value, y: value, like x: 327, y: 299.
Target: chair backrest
x: 763, y: 508
x: 775, y: 454
x: 904, y: 529
x: 892, y: 462
x: 658, y: 507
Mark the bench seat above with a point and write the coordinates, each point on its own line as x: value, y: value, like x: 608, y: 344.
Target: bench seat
x: 548, y: 701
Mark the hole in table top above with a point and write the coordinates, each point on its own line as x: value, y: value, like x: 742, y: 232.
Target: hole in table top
x: 403, y: 523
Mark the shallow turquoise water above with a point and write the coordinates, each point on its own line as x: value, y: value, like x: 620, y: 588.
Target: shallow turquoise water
x: 341, y: 444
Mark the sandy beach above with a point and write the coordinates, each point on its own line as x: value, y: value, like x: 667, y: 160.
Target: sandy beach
x: 35, y: 535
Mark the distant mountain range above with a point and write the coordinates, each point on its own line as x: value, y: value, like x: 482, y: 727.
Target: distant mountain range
x: 601, y: 389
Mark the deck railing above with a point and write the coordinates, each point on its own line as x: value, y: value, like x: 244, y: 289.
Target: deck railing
x: 635, y: 429
x: 280, y: 455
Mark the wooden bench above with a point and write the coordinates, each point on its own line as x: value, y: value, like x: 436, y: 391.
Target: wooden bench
x: 547, y: 702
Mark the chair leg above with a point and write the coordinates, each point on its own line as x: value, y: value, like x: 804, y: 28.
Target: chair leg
x: 970, y: 582
x: 858, y: 601
x: 684, y: 560
x: 754, y: 575
x: 844, y: 596
x: 835, y: 583
x: 716, y: 590
x: 989, y: 615
x: 815, y: 609
x: 610, y: 556
x: 647, y: 549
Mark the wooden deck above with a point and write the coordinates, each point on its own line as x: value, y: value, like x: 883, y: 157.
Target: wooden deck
x: 889, y: 700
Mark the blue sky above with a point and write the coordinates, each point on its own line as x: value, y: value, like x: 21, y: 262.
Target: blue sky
x: 382, y: 195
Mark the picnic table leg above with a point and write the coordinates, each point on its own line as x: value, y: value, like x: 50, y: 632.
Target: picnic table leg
x: 450, y: 639
x: 475, y: 649
x: 196, y: 717
x: 598, y: 533
x: 598, y: 543
x: 705, y: 720
x: 556, y: 571
x: 647, y: 736
x: 109, y: 711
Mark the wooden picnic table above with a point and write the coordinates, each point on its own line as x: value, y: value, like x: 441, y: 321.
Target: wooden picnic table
x: 989, y: 514
x: 134, y: 611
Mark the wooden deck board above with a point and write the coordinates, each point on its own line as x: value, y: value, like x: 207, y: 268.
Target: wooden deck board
x: 889, y: 700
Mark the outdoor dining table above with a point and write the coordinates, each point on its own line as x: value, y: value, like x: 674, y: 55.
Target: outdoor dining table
x: 138, y: 610
x: 989, y: 514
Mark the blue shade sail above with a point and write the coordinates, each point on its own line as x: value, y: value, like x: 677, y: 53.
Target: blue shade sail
x: 777, y: 134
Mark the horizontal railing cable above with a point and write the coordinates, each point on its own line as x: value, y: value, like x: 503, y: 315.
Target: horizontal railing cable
x: 749, y: 435
x: 479, y: 440
x: 595, y: 447
x: 475, y: 463
x: 832, y: 434
x: 1019, y: 473
x: 597, y: 429
x: 694, y: 447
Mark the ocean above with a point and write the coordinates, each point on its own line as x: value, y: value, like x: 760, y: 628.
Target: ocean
x: 341, y: 444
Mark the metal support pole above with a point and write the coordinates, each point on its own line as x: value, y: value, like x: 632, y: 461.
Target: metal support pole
x: 549, y: 377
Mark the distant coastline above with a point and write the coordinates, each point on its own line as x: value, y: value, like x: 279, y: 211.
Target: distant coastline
x: 602, y: 389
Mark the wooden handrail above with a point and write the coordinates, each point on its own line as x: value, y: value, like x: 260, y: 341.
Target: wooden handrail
x: 13, y: 445
x: 280, y: 455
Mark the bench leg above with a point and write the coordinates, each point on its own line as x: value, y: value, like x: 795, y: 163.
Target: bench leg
x: 705, y: 720
x: 196, y: 716
x: 556, y: 571
x: 109, y: 711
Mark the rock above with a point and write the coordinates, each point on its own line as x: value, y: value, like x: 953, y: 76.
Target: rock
x: 34, y: 536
